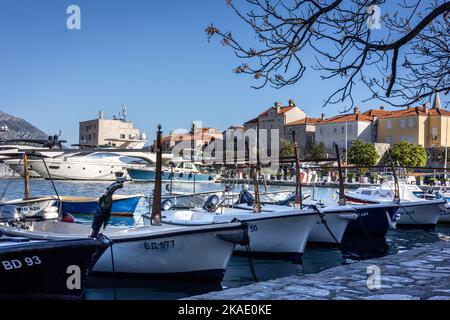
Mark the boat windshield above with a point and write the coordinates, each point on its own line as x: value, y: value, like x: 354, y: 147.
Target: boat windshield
x: 133, y: 160
x: 102, y: 155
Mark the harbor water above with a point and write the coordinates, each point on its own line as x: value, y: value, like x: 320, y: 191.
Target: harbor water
x: 315, y: 259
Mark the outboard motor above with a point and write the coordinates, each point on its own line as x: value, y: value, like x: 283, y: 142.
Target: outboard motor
x: 9, y: 213
x: 103, y: 214
x: 246, y: 197
x: 166, y: 205
x: 211, y: 203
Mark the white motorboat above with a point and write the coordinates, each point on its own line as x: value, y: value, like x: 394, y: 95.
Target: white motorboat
x: 412, y: 209
x: 94, y: 166
x: 276, y: 229
x: 191, y: 252
x: 34, y: 206
x: 183, y: 200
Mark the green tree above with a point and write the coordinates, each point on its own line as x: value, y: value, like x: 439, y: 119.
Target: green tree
x: 362, y: 154
x: 407, y: 154
x: 287, y: 149
x: 316, y: 151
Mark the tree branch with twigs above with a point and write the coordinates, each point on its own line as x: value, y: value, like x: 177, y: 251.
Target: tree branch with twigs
x: 405, y: 62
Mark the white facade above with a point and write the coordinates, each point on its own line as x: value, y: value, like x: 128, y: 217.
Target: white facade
x: 335, y: 133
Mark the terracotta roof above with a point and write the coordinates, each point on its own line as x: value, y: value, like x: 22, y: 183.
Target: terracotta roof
x: 416, y: 111
x: 306, y: 120
x: 348, y: 118
x: 377, y: 112
x: 252, y: 121
x: 438, y: 112
x: 283, y: 110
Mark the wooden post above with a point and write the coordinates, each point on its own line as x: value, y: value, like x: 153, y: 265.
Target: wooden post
x: 156, y: 205
x: 341, y: 178
x: 26, y: 195
x: 396, y: 185
x: 298, y: 184
x: 171, y: 179
x: 257, y: 205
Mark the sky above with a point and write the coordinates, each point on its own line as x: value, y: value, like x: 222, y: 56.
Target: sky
x: 150, y: 55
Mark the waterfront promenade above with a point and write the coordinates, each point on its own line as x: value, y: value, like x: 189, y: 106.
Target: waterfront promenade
x: 418, y: 274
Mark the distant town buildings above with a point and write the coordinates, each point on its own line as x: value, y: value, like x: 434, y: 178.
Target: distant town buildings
x: 422, y: 125
x: 194, y: 141
x: 115, y: 132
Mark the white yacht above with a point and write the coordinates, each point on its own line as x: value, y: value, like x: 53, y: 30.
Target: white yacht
x: 94, y: 166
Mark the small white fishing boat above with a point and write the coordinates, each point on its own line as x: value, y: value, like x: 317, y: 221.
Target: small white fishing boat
x: 412, y: 209
x: 200, y: 253
x: 183, y: 200
x: 275, y: 230
x: 34, y: 206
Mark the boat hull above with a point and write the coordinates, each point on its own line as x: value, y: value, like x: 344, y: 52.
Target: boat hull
x: 84, y: 171
x: 424, y: 213
x: 284, y: 236
x: 48, y: 269
x: 373, y: 220
x: 337, y: 223
x: 123, y: 206
x: 32, y: 207
x: 145, y: 175
x: 198, y: 252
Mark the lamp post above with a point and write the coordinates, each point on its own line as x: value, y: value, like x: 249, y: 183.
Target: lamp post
x: 446, y: 146
x: 346, y: 148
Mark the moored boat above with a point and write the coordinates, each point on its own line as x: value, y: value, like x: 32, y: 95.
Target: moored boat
x: 122, y: 205
x: 47, y: 269
x: 412, y: 210
x: 182, y: 172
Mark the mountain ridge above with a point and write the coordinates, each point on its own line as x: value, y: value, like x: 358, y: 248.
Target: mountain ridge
x: 18, y: 128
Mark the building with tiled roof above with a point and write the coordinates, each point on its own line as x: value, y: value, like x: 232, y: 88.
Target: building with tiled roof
x: 346, y: 128
x: 418, y: 125
x: 284, y: 119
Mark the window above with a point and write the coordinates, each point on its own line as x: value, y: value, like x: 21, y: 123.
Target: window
x: 410, y: 139
x: 343, y: 129
x: 122, y: 136
x: 335, y: 130
x: 90, y: 137
x: 389, y: 124
x: 389, y: 139
x: 402, y: 138
x: 321, y: 131
x: 349, y: 129
x: 411, y: 123
x: 402, y: 123
x: 434, y: 133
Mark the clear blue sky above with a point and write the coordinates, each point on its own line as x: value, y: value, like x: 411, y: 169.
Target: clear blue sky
x: 151, y: 55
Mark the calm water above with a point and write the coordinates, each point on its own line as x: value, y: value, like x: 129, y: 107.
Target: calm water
x: 238, y: 274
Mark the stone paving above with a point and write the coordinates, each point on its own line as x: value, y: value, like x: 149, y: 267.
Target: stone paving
x: 418, y: 274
